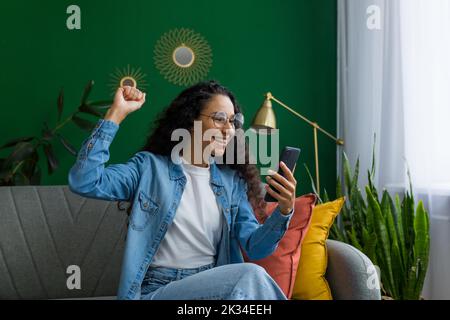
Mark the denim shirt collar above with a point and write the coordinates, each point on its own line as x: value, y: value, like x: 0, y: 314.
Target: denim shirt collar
x: 176, y: 171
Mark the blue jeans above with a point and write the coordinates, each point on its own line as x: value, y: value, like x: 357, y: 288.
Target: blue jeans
x: 238, y: 281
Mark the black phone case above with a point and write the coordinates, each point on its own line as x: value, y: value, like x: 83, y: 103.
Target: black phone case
x: 289, y: 156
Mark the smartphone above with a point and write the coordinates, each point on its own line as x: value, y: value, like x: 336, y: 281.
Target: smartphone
x: 289, y: 156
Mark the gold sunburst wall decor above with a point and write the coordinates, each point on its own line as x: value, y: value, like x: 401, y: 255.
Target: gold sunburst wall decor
x: 183, y: 57
x: 128, y: 76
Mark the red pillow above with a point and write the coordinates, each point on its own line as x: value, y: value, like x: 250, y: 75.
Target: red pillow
x: 283, y: 263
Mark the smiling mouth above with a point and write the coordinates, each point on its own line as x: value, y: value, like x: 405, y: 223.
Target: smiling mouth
x: 220, y: 141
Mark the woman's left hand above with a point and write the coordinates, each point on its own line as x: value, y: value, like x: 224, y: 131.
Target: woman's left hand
x: 285, y: 187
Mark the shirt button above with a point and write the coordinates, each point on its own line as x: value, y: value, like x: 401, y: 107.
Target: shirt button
x: 228, y: 210
x: 145, y: 204
x: 218, y: 193
x: 90, y: 145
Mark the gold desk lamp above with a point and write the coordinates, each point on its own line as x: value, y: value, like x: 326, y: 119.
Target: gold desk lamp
x: 265, y: 119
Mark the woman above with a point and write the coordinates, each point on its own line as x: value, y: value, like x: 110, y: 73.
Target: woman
x: 190, y: 216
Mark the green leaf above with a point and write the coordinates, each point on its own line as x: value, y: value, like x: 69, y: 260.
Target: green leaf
x: 370, y: 219
x: 384, y: 203
x: 347, y: 174
x: 83, y: 123
x: 60, y: 103
x: 410, y: 185
x: 398, y: 271
x: 385, y: 284
x: 52, y: 162
x: 392, y: 233
x: 89, y: 110
x: 372, y: 171
x: 355, y: 207
x: 370, y: 243
x: 21, y: 151
x: 47, y: 134
x: 355, y: 176
x: 389, y: 218
x: 345, y: 217
x: 373, y: 190
x: 362, y: 206
x: 31, y: 169
x: 102, y: 104
x: 338, y: 188
x: 13, y: 142
x: 313, y: 185
x: 29, y: 166
x: 392, y: 207
x: 337, y: 234
x: 382, y: 235
x: 354, y: 239
x: 408, y: 227
x: 400, y: 232
x: 410, y: 285
x: 67, y: 145
x: 355, y: 210
x: 421, y: 245
x: 86, y: 92
x: 326, y: 198
x: 36, y: 177
x: 20, y: 179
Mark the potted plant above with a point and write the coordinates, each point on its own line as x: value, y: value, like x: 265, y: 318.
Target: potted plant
x: 21, y: 166
x: 391, y: 231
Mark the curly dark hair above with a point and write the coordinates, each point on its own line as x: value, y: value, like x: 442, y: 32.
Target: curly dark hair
x: 181, y: 113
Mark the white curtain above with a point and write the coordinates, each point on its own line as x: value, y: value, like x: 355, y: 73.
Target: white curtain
x: 394, y: 81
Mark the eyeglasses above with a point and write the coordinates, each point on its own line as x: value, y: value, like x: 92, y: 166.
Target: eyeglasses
x: 220, y: 118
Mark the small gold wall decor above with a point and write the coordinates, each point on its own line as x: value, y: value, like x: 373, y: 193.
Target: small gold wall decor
x: 127, y: 76
x: 183, y: 57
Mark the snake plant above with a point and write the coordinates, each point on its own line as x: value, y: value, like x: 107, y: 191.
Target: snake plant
x: 391, y: 231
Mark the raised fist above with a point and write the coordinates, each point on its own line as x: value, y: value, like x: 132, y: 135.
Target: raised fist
x: 126, y: 100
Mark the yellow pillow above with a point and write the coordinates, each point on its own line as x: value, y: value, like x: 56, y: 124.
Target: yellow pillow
x: 310, y: 282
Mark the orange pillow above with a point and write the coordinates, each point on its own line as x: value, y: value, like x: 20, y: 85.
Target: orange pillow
x: 282, y: 264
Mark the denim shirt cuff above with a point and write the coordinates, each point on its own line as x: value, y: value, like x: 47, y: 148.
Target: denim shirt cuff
x: 106, y: 129
x: 279, y: 221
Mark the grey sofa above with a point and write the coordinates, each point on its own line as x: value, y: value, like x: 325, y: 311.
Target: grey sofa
x: 46, y: 229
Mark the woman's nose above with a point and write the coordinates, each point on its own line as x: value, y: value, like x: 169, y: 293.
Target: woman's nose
x: 228, y: 126
x: 228, y: 129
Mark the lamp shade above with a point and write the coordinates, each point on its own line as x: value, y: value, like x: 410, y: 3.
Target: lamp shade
x: 265, y: 117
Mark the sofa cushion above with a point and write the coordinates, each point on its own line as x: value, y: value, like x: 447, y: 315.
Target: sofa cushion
x: 47, y: 231
x: 282, y: 264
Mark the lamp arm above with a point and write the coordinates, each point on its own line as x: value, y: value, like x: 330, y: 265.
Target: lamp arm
x: 313, y: 124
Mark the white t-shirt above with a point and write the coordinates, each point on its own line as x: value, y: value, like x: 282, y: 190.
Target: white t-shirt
x: 192, y: 238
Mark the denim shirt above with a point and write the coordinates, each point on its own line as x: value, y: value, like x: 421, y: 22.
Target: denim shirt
x: 154, y: 184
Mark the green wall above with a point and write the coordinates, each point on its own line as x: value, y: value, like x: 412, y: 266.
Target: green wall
x: 287, y: 47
